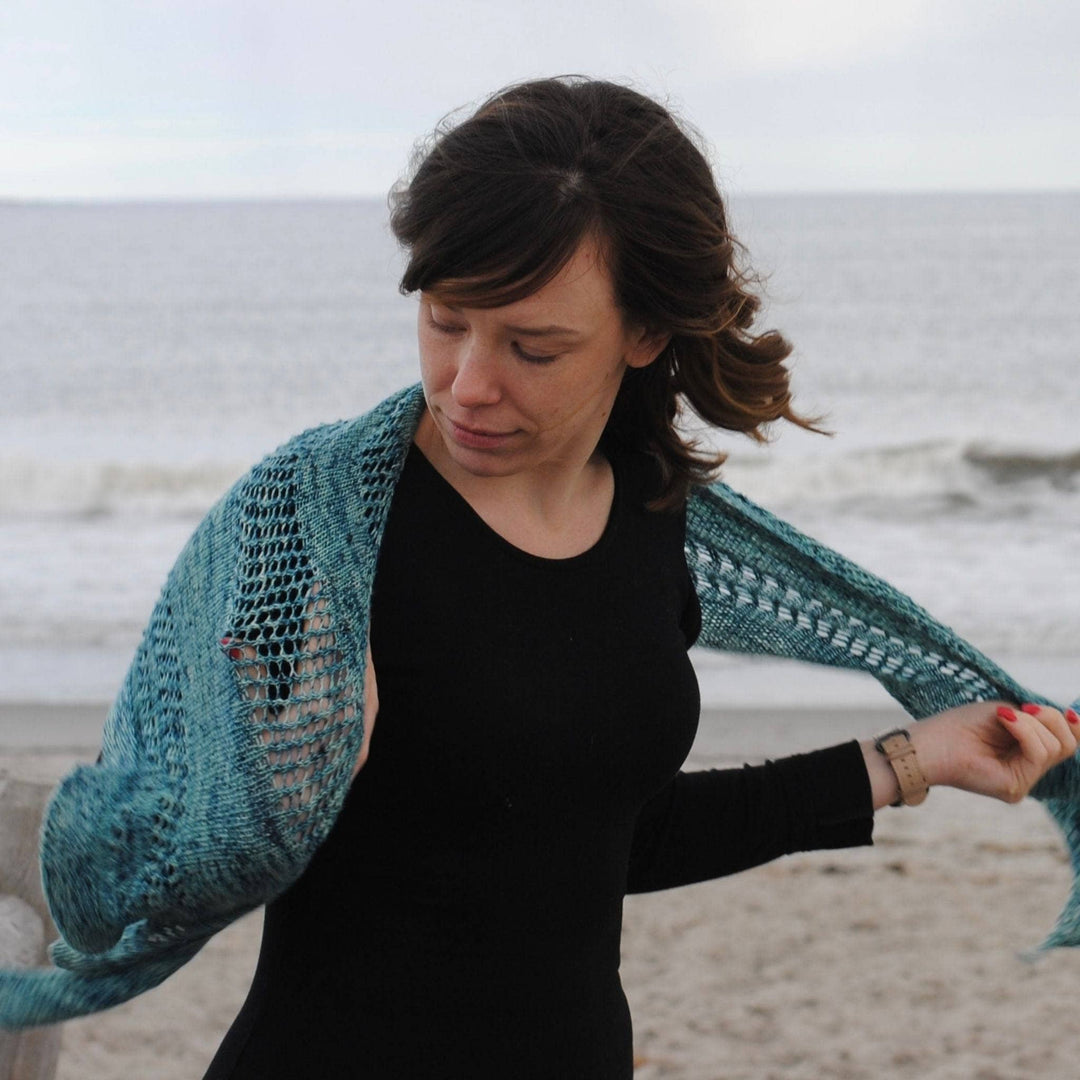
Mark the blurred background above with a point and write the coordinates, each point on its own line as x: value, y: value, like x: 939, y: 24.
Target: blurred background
x: 197, y: 265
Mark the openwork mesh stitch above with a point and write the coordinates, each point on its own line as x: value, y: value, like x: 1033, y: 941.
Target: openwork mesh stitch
x: 147, y: 737
x: 767, y: 588
x: 164, y: 747
x: 297, y: 608
x: 832, y: 634
x: 300, y: 695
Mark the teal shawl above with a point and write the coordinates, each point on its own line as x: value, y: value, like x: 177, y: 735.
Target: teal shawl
x: 227, y: 754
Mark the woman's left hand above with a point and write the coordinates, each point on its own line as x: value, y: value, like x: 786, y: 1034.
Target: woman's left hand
x: 990, y: 747
x: 371, y: 711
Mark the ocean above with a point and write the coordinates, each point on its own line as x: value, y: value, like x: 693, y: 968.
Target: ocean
x: 149, y: 353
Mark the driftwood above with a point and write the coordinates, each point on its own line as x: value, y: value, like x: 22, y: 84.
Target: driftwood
x: 25, y: 926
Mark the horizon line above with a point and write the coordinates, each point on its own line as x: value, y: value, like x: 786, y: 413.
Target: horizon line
x: 772, y: 193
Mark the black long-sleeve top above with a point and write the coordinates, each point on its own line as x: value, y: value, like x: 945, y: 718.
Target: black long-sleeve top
x: 463, y: 918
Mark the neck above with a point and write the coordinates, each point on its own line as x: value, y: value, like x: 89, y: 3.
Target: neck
x: 555, y: 510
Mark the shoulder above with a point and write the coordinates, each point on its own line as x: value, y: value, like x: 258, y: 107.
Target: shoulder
x: 334, y: 459
x: 309, y: 497
x: 639, y: 476
x: 387, y: 429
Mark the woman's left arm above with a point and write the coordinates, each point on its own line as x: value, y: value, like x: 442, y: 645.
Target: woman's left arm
x: 988, y: 747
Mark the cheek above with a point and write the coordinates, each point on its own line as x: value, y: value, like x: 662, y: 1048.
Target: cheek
x: 599, y: 380
x: 436, y: 363
x: 589, y: 394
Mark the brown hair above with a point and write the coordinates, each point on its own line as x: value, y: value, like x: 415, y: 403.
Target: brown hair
x: 498, y: 203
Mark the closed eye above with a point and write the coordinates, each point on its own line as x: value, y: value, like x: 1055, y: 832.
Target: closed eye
x: 529, y: 357
x: 533, y: 358
x: 443, y: 328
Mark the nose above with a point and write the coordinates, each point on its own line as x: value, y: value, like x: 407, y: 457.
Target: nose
x: 476, y: 379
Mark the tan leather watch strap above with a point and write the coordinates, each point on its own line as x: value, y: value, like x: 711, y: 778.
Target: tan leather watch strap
x: 897, y: 746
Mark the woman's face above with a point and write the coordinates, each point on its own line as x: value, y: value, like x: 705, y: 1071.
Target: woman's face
x: 529, y: 386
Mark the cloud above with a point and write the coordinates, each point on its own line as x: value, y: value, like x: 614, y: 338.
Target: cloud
x: 317, y: 162
x: 94, y: 93
x: 1022, y: 158
x: 770, y: 36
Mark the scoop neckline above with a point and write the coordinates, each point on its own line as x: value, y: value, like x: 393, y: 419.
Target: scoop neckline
x: 590, y: 553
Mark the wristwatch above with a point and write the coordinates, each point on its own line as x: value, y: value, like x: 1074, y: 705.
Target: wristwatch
x: 898, y: 748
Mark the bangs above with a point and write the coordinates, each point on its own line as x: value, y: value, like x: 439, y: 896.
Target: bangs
x: 500, y: 250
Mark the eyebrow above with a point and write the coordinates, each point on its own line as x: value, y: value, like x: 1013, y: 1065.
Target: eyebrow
x: 543, y: 331
x: 529, y: 331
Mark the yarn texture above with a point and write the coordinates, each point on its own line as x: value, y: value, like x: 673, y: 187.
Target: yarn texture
x: 228, y: 752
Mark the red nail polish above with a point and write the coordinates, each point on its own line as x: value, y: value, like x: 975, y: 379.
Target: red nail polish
x: 226, y: 640
x: 1006, y: 714
x: 236, y: 654
x: 1031, y: 710
x: 1070, y: 715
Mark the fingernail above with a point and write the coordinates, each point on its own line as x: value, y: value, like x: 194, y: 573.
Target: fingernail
x: 233, y: 653
x: 1031, y: 710
x: 1070, y: 715
x: 1006, y: 714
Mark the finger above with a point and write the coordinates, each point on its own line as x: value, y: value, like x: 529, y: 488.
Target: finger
x: 371, y: 711
x: 1032, y: 743
x: 236, y: 652
x: 1039, y: 748
x: 371, y: 688
x: 365, y: 750
x: 1058, y: 732
x: 316, y: 619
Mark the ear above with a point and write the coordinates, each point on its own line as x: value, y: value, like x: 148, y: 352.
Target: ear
x: 644, y: 347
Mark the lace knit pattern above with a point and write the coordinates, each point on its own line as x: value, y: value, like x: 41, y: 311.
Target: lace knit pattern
x: 300, y: 693
x: 227, y: 755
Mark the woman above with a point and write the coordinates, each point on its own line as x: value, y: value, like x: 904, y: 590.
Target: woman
x: 521, y: 555
x: 533, y: 605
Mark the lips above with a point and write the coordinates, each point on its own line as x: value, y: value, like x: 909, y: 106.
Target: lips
x: 477, y: 438
x: 481, y: 432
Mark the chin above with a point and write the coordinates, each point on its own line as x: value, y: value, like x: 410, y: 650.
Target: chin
x: 479, y: 463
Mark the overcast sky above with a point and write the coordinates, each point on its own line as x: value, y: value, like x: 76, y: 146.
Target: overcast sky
x: 205, y: 98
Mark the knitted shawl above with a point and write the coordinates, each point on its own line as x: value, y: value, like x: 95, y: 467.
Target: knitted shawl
x: 228, y: 752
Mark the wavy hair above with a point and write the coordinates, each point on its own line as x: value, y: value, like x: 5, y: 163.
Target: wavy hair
x: 498, y: 203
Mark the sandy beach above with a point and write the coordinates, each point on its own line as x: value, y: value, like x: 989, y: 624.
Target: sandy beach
x: 901, y: 960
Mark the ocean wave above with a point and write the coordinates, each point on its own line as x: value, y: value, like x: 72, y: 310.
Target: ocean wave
x: 84, y: 489
x: 920, y: 479
x: 1007, y: 465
